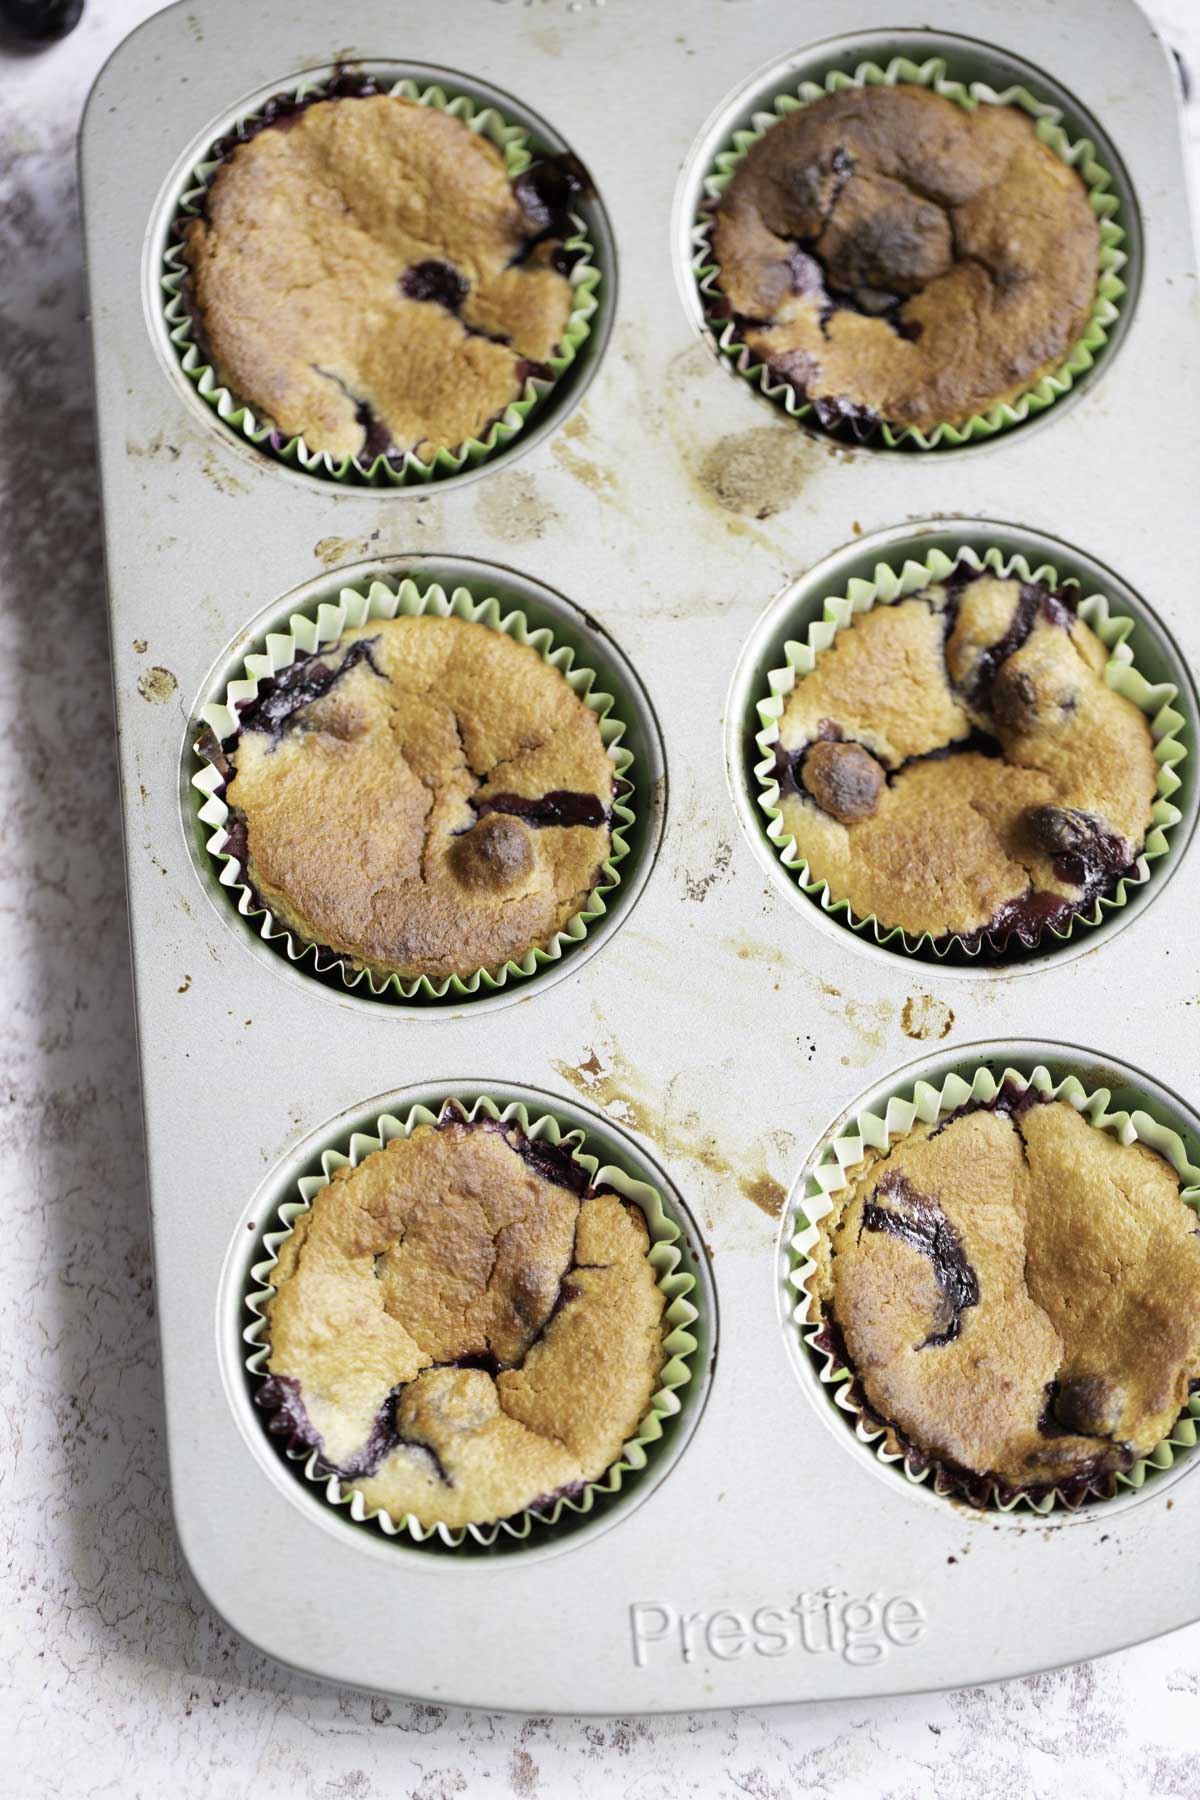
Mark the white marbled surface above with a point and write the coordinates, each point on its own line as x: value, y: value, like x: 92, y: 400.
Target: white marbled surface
x: 115, y: 1679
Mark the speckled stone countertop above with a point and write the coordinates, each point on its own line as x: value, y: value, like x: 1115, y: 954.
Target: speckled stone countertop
x: 115, y: 1679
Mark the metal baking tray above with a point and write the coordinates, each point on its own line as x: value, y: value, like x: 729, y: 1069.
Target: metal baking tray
x: 721, y: 1026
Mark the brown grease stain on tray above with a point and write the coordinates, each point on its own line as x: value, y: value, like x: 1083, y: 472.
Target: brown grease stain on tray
x: 157, y: 685
x: 616, y: 1088
x: 771, y: 956
x: 330, y: 551
x: 868, y: 1019
x: 745, y: 477
x: 698, y: 887
x: 513, y: 510
x: 593, y: 475
x: 765, y: 1192
x: 759, y: 472
x: 760, y: 950
x: 155, y: 447
x: 923, y: 1017
x: 223, y: 479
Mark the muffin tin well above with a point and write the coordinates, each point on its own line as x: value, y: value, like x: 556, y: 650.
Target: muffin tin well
x: 1131, y: 1091
x: 167, y: 312
x: 543, y: 609
x: 1155, y: 654
x: 869, y: 58
x: 709, y: 1026
x: 243, y: 1277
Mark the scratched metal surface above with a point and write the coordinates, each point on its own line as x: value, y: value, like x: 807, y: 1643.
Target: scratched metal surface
x: 672, y: 506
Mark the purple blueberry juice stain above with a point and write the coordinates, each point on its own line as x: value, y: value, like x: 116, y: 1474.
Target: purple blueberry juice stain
x: 282, y: 110
x: 808, y: 277
x: 1084, y: 850
x: 919, y: 1221
x: 483, y: 1360
x: 280, y: 1396
x: 435, y: 281
x: 571, y: 1490
x: 564, y: 259
x: 548, y: 189
x: 281, y: 697
x: 561, y: 806
x: 237, y: 842
x: 838, y: 413
x: 528, y: 370
x: 1011, y: 1100
x: 377, y: 439
x: 553, y: 1162
x: 1029, y: 605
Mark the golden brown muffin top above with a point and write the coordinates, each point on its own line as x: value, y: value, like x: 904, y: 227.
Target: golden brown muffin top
x: 1018, y: 1293
x: 364, y: 275
x: 462, y: 1326
x: 955, y: 764
x: 424, y: 797
x: 898, y: 258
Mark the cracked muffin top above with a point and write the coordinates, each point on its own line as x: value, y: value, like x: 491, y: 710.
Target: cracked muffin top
x: 1017, y: 1293
x: 954, y: 763
x: 367, y: 275
x: 424, y: 797
x: 897, y: 258
x: 462, y: 1326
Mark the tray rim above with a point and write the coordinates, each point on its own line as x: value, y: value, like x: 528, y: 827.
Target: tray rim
x: 659, y: 1704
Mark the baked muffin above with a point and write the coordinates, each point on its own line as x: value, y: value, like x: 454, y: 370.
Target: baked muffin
x: 367, y: 276
x: 1017, y: 1295
x: 955, y: 765
x: 462, y: 1326
x: 424, y: 797
x: 897, y: 258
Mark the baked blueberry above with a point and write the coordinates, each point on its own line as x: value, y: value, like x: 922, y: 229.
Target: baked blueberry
x: 495, y: 854
x: 843, y: 779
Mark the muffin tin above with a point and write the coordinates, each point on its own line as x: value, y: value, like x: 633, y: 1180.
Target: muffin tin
x: 719, y: 1029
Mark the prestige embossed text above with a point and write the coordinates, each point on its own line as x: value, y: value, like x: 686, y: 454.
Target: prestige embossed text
x: 825, y: 1623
